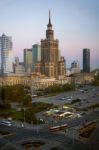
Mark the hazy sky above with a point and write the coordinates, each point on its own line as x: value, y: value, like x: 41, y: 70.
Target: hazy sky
x: 75, y: 23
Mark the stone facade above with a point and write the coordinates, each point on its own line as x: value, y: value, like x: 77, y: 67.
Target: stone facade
x: 39, y: 81
x: 51, y: 66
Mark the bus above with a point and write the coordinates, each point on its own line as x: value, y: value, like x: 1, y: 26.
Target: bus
x: 6, y: 123
x: 87, y: 129
x: 58, y: 128
x: 34, y: 95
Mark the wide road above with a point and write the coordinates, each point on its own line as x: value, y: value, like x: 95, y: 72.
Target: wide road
x: 19, y: 135
x: 87, y: 97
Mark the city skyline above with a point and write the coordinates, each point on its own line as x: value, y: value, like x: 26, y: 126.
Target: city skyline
x: 26, y: 22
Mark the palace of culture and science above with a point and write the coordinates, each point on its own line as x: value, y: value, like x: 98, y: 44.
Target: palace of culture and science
x: 51, y: 64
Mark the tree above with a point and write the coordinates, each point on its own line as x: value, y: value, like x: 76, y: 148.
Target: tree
x: 27, y: 101
x: 2, y: 93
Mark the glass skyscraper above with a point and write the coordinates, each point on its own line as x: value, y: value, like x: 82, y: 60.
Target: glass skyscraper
x: 5, y: 54
x: 86, y: 60
x: 28, y: 60
x: 36, y: 54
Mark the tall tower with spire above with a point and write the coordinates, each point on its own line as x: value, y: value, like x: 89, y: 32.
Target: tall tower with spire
x: 49, y: 52
x: 50, y: 64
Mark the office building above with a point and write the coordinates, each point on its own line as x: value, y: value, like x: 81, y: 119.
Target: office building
x: 61, y: 66
x: 28, y: 60
x: 86, y: 60
x: 20, y: 69
x: 75, y: 67
x: 36, y: 54
x: 6, y: 54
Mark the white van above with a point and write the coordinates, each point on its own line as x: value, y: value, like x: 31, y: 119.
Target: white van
x: 6, y: 123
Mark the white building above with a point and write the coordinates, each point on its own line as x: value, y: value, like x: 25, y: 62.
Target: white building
x: 75, y: 67
x: 6, y: 54
x: 20, y: 69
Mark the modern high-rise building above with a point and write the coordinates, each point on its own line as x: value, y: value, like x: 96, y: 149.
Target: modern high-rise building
x: 36, y: 54
x: 28, y: 60
x: 50, y: 64
x: 86, y: 60
x: 6, y: 54
x: 61, y: 66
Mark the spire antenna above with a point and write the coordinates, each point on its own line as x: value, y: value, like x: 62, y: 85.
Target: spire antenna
x: 49, y: 17
x: 49, y: 23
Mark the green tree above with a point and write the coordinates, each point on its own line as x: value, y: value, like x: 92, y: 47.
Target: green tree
x: 2, y: 94
x: 59, y: 88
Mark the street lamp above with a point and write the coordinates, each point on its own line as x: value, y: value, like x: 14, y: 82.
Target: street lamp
x: 24, y: 116
x: 37, y: 127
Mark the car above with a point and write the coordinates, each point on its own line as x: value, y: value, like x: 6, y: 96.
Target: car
x: 83, y: 113
x: 81, y: 90
x: 6, y: 123
x: 93, y: 89
x: 62, y: 98
x: 69, y: 99
x: 34, y: 95
x: 93, y: 96
x: 84, y: 99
